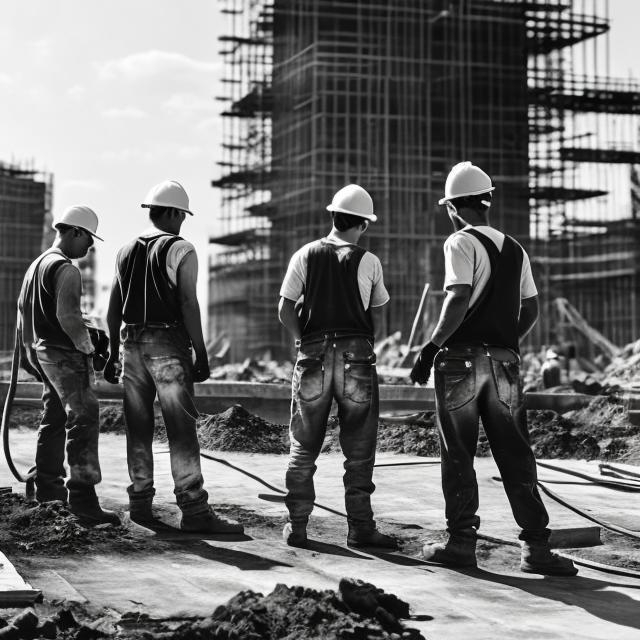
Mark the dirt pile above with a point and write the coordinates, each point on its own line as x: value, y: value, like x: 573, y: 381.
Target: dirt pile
x: 624, y: 369
x: 51, y: 529
x: 600, y: 430
x: 238, y: 430
x: 359, y: 611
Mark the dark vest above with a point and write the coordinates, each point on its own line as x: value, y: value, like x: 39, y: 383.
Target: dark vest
x: 38, y: 306
x: 147, y: 294
x: 493, y: 319
x: 332, y: 301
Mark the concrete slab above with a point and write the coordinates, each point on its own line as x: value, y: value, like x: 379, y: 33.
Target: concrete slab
x: 192, y: 576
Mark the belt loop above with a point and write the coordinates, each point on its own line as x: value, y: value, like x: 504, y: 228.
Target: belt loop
x: 486, y: 350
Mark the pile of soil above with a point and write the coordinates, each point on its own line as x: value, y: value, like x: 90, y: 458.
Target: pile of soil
x: 238, y: 430
x: 599, y: 431
x: 360, y: 611
x: 51, y: 529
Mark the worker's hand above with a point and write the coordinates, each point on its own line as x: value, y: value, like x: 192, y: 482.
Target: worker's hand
x: 112, y: 370
x: 201, y: 371
x: 424, y: 362
x: 99, y: 360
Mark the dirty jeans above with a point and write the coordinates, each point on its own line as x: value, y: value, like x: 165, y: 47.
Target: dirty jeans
x: 70, y: 418
x: 159, y: 361
x: 470, y: 385
x: 344, y: 369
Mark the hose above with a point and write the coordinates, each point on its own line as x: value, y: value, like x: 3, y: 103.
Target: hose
x: 611, y: 484
x: 618, y: 471
x: 29, y: 477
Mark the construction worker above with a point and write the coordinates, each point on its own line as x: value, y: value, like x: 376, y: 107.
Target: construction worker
x: 330, y: 297
x: 154, y: 293
x: 491, y: 303
x: 57, y: 349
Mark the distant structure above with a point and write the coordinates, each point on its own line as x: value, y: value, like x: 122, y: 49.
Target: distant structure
x: 25, y: 213
x: 390, y: 95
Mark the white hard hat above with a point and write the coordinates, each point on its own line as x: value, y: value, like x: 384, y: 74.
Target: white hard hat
x: 168, y: 194
x: 81, y: 217
x: 353, y: 200
x: 465, y: 179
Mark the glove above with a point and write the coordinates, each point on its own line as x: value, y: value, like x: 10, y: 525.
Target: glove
x: 201, y: 371
x: 112, y: 370
x: 100, y: 342
x: 424, y: 362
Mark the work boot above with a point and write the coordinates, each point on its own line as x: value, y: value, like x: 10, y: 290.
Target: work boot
x: 456, y: 552
x: 209, y: 522
x: 370, y: 537
x: 538, y: 558
x: 86, y: 507
x: 295, y: 535
x: 52, y: 494
x: 140, y: 502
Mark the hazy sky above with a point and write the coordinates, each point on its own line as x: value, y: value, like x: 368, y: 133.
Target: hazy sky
x: 114, y: 96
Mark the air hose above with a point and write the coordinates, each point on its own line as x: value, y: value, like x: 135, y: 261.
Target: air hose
x: 620, y: 484
x: 29, y: 477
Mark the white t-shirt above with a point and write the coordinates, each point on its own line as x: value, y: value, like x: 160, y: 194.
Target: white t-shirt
x: 370, y: 279
x: 467, y: 262
x: 177, y: 252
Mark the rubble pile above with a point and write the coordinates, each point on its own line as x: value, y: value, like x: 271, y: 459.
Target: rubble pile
x: 238, y: 430
x: 254, y: 371
x: 624, y: 370
x: 51, y: 529
x: 600, y: 430
x: 62, y: 624
x: 360, y: 611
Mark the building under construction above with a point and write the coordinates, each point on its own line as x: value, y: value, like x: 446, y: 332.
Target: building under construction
x: 25, y: 212
x: 390, y: 95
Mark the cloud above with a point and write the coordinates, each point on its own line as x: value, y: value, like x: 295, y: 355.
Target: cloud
x: 137, y: 156
x: 41, y: 49
x: 76, y: 91
x: 189, y: 152
x: 129, y: 113
x: 215, y: 122
x: 5, y: 79
x: 86, y: 185
x: 187, y: 104
x: 151, y: 63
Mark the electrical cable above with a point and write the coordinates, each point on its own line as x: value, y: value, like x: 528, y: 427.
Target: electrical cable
x: 611, y: 484
x: 29, y: 477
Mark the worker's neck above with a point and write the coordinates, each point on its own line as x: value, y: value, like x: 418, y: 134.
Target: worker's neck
x: 469, y: 217
x: 61, y: 245
x: 167, y: 226
x: 352, y: 236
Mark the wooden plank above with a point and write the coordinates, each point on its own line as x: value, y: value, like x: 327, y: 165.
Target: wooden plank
x: 14, y: 591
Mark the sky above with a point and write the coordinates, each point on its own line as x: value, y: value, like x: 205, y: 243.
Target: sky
x: 115, y: 96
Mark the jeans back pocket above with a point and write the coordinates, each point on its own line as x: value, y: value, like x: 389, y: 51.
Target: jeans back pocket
x: 459, y: 381
x: 358, y: 376
x: 308, y: 378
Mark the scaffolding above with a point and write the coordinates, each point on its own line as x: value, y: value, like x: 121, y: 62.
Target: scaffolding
x: 25, y: 213
x: 390, y: 96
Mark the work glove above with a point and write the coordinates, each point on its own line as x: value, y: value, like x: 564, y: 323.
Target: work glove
x: 112, y: 370
x: 424, y: 362
x: 100, y: 342
x: 201, y: 371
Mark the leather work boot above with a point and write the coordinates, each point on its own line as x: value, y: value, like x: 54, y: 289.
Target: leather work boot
x: 51, y: 495
x: 295, y: 536
x: 456, y: 552
x: 361, y: 538
x: 140, y: 510
x: 538, y: 558
x: 86, y: 507
x: 209, y: 522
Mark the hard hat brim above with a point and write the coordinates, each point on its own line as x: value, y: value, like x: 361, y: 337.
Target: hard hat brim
x: 160, y: 204
x: 78, y: 226
x: 464, y: 195
x: 372, y: 217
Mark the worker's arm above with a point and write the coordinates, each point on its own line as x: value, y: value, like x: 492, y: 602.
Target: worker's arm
x: 187, y: 278
x: 529, y: 311
x: 378, y: 317
x: 289, y: 317
x: 68, y: 291
x: 454, y: 309
x: 113, y: 368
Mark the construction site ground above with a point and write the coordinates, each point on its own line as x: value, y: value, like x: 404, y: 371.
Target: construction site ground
x: 139, y: 574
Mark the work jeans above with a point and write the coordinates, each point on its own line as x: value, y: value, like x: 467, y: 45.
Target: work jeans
x: 470, y: 385
x: 69, y: 420
x: 159, y: 361
x: 344, y: 369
